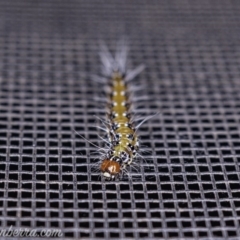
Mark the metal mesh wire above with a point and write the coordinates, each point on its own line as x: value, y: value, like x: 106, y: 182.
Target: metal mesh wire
x: 190, y: 188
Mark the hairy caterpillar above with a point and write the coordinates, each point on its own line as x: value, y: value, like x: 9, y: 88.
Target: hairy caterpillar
x: 123, y: 144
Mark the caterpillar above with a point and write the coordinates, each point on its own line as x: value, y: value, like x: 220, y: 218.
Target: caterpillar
x: 123, y: 143
x: 123, y: 146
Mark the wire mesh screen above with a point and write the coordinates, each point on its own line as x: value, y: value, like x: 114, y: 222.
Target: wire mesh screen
x: 189, y: 189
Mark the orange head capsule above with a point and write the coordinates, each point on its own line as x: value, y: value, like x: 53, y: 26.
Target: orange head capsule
x: 110, y: 168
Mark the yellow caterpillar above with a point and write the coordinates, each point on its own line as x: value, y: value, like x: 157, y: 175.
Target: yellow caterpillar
x: 122, y: 137
x: 121, y: 132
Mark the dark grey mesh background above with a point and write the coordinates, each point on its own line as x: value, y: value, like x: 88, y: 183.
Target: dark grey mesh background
x: 190, y: 190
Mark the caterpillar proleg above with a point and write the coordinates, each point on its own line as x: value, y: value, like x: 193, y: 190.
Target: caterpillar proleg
x: 122, y: 138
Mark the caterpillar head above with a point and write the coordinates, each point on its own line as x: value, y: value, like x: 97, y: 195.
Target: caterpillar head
x: 110, y: 168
